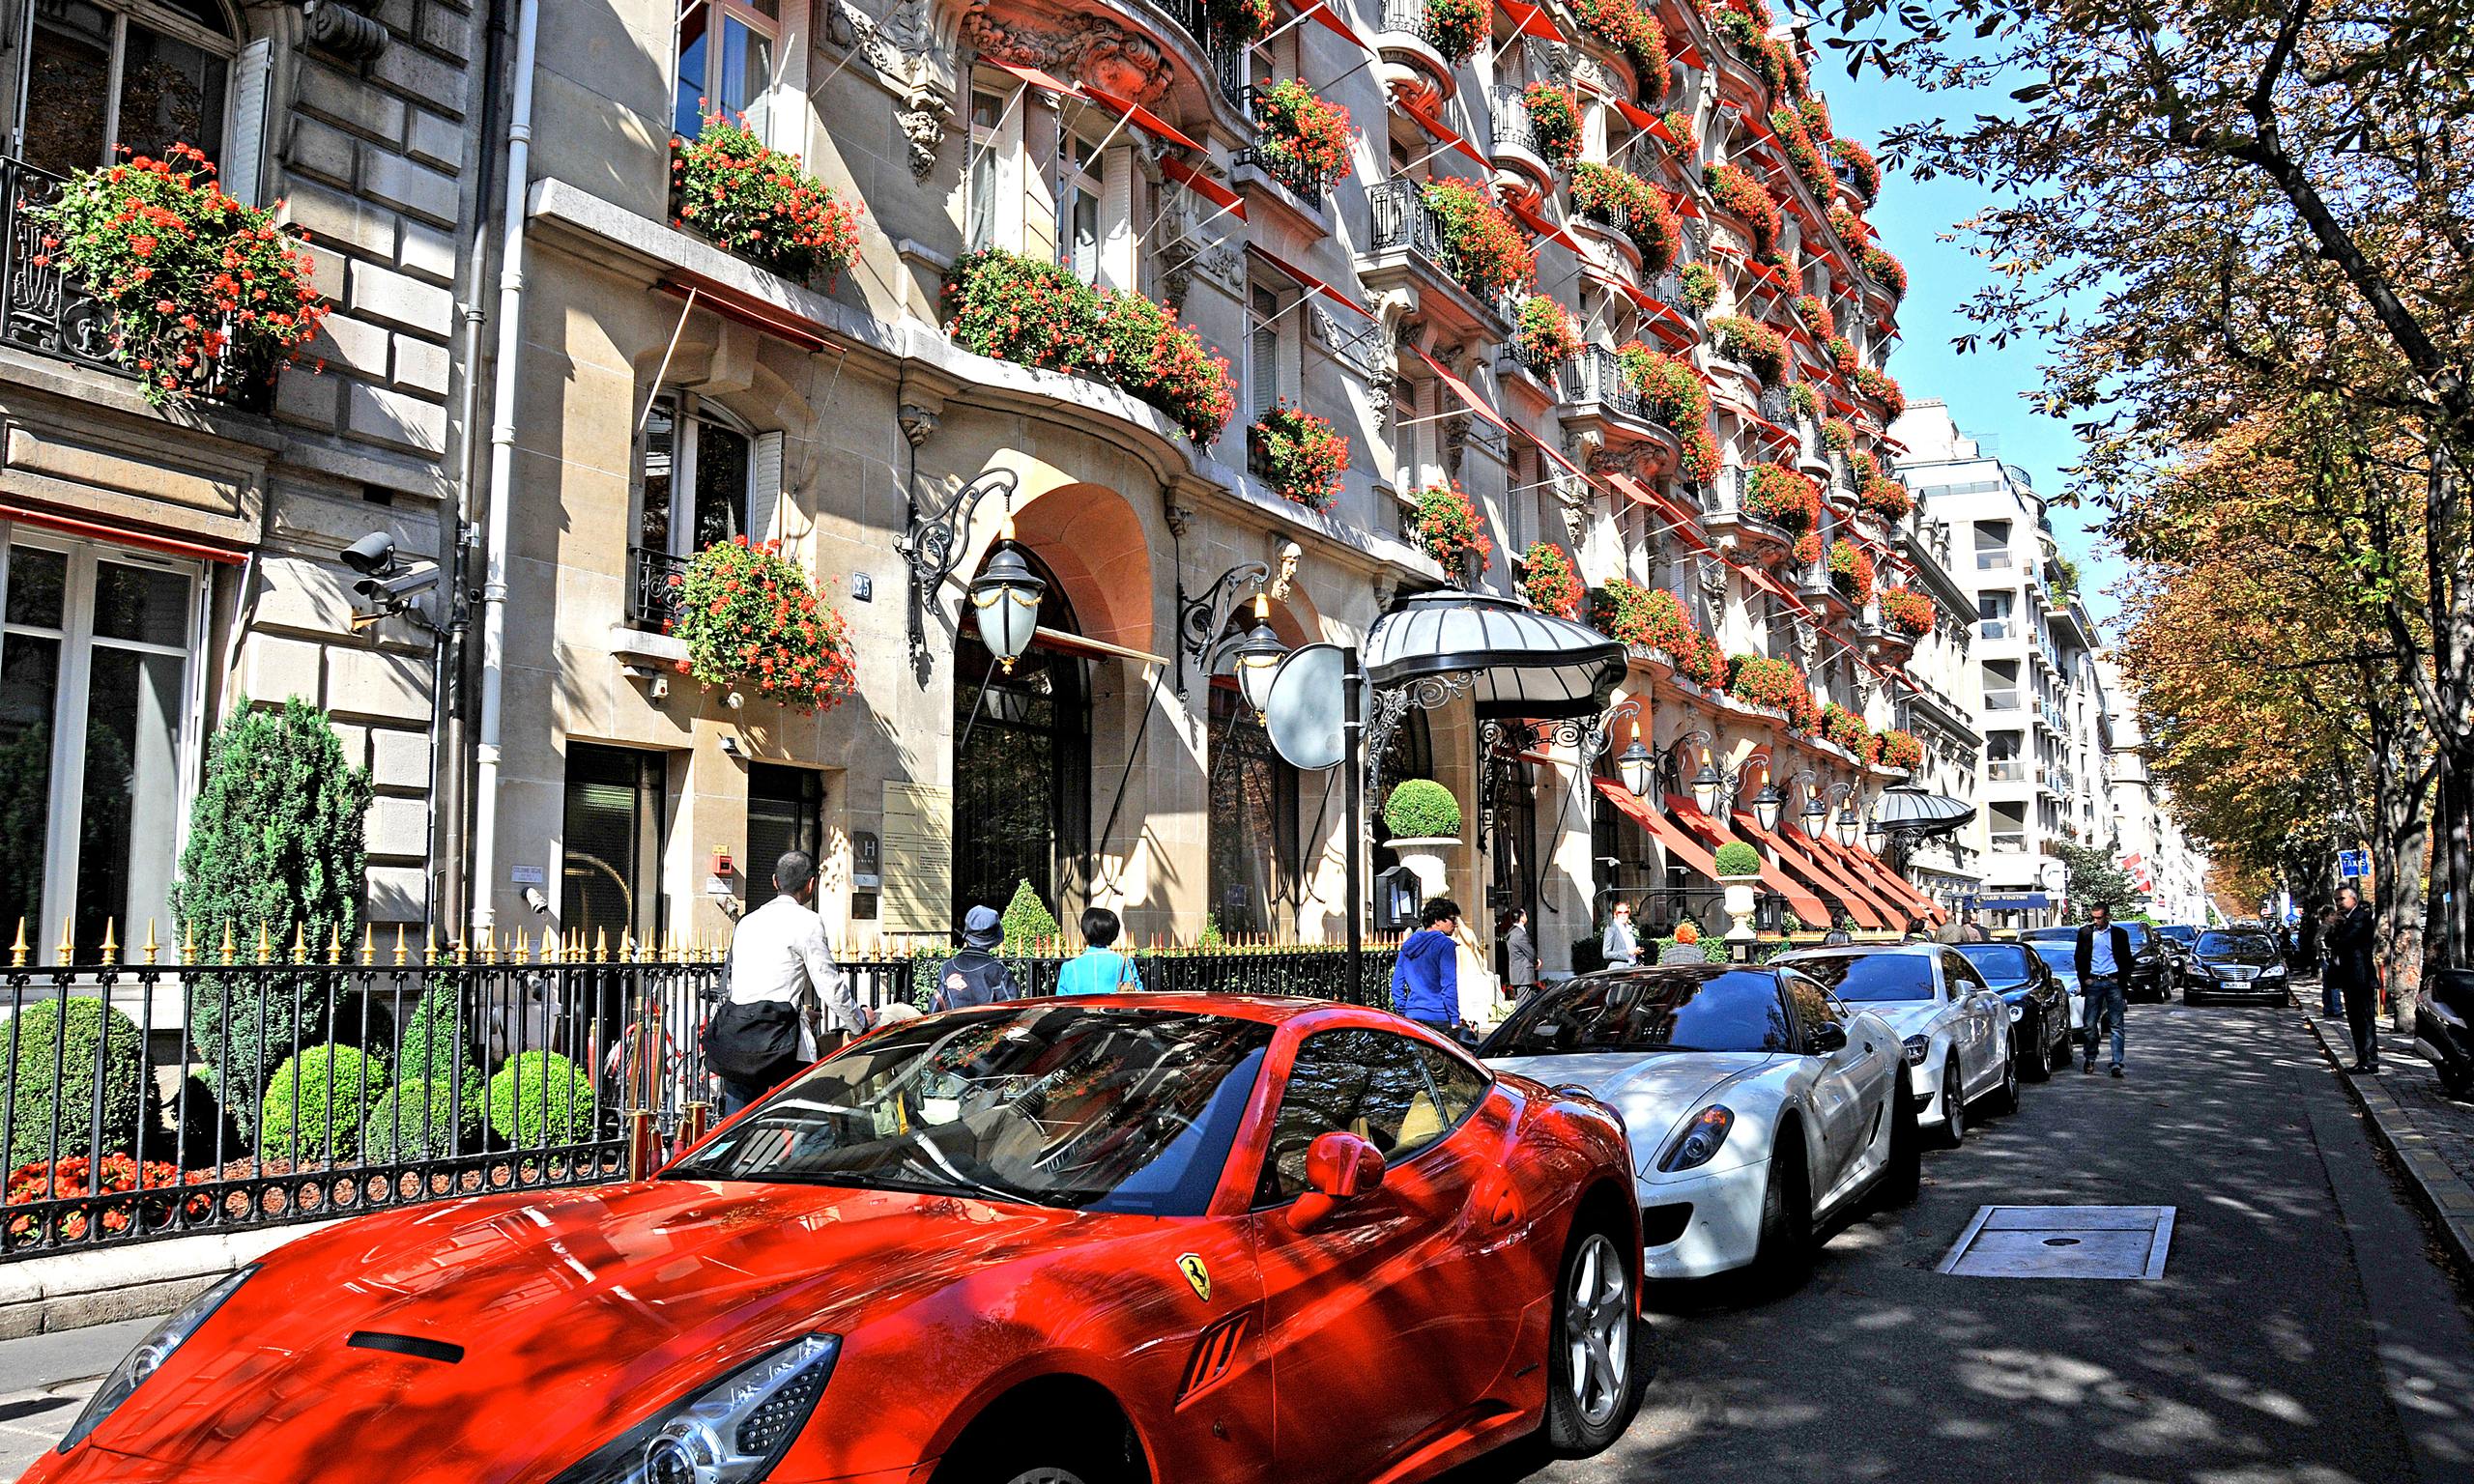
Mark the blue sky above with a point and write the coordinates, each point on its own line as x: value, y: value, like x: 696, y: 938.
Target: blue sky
x: 1984, y: 387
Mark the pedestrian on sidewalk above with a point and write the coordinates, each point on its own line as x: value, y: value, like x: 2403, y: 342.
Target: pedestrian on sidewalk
x: 1619, y: 947
x: 781, y: 981
x: 1687, y: 947
x: 1426, y: 978
x: 2349, y: 964
x: 1099, y: 969
x: 2331, y: 995
x: 976, y: 975
x: 1521, y: 954
x: 2101, y: 957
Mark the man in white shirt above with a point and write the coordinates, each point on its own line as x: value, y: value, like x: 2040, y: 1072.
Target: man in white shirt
x: 781, y: 974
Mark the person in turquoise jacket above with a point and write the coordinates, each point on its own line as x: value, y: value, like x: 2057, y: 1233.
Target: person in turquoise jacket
x: 1425, y: 978
x: 1098, y: 969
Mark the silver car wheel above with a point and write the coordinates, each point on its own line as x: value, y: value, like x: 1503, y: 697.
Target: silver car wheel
x: 1598, y: 1324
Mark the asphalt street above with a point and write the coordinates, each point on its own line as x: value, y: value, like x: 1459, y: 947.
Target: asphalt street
x: 2300, y: 1332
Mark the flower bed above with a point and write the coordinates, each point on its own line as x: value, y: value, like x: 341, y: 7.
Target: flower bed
x: 759, y: 203
x: 1755, y: 345
x: 1549, y: 581
x: 1844, y: 729
x: 1782, y: 497
x: 1546, y: 336
x: 1886, y: 270
x: 748, y: 618
x: 1851, y: 570
x: 1816, y: 316
x: 1908, y: 611
x: 1294, y: 125
x: 1746, y: 199
x: 1554, y: 123
x: 78, y: 1177
x: 1837, y: 435
x: 1886, y: 498
x: 1803, y: 156
x: 1654, y: 618
x: 1633, y: 30
x: 1448, y: 525
x: 205, y: 292
x: 1455, y: 27
x: 1632, y: 205
x: 1487, y: 252
x: 1864, y: 174
x: 1699, y: 282
x: 1034, y: 313
x: 1761, y: 681
x: 1901, y: 750
x: 1879, y: 386
x: 1303, y: 456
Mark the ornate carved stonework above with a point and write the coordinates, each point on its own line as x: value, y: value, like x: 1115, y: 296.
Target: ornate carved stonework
x: 1455, y: 440
x: 1108, y: 56
x: 911, y: 61
x: 919, y: 423
x: 1713, y: 582
x: 1387, y: 583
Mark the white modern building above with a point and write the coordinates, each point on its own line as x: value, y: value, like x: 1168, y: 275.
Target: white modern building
x: 2150, y: 842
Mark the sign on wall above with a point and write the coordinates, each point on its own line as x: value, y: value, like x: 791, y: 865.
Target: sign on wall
x: 918, y: 859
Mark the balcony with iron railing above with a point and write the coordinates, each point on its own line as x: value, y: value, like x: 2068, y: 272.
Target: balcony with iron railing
x: 1307, y: 183
x: 1727, y: 515
x: 653, y: 600
x: 1514, y: 142
x: 1408, y: 38
x: 1407, y: 248
x: 1225, y: 62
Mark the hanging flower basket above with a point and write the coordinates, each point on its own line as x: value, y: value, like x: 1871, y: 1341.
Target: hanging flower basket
x: 1782, y: 497
x: 1844, y: 729
x: 760, y: 203
x: 1908, y: 611
x: 1554, y: 123
x: 1808, y: 550
x: 1455, y: 27
x: 1632, y: 205
x: 1842, y: 355
x: 1746, y: 200
x: 1549, y: 581
x: 1756, y: 346
x: 1816, y: 316
x: 749, y: 618
x: 1546, y: 336
x: 1804, y: 400
x: 1901, y: 750
x: 1700, y: 285
x: 1633, y: 30
x: 206, y: 294
x: 1886, y: 270
x: 1670, y: 392
x: 1448, y: 525
x: 1886, y: 498
x: 1849, y: 226
x: 1851, y: 571
x: 1856, y: 167
x: 1487, y: 252
x: 1802, y: 156
x: 1814, y: 112
x: 1877, y: 385
x: 1837, y: 435
x: 1294, y: 124
x: 1303, y: 456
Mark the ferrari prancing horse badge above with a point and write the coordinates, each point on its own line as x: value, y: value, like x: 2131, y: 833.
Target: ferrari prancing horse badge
x: 1191, y: 1264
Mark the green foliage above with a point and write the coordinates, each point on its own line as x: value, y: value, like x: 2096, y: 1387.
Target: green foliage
x: 2095, y: 881
x: 437, y: 1036
x: 1029, y: 926
x: 58, y: 1050
x: 317, y: 1104
x: 1712, y: 947
x: 416, y: 1120
x: 275, y: 842
x: 1419, y: 809
x: 540, y: 1098
x: 1735, y: 858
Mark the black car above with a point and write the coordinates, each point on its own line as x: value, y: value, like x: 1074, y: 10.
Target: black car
x: 2149, y: 974
x: 2178, y: 938
x: 2228, y: 964
x: 2039, y: 1004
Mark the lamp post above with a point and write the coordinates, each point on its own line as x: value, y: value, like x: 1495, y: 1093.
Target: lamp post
x: 1766, y: 805
x: 1256, y: 658
x: 1005, y: 598
x: 1634, y: 766
x: 1844, y: 801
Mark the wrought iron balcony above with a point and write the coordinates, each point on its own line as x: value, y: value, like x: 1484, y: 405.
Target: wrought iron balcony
x: 44, y: 311
x: 1227, y: 61
x: 1407, y: 235
x: 1512, y: 119
x: 1776, y: 406
x: 1596, y: 375
x: 1297, y: 178
x: 1408, y: 18
x: 651, y: 601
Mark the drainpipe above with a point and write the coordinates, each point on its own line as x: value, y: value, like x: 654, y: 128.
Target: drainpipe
x: 510, y: 342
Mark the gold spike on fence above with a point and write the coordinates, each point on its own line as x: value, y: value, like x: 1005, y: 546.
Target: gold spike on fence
x: 17, y: 950
x: 335, y: 943
x: 68, y: 940
x: 151, y: 949
x: 520, y: 949
x: 111, y: 945
x: 602, y: 945
x: 369, y: 945
x: 299, y: 942
x: 399, y: 945
x: 188, y: 942
x: 490, y: 943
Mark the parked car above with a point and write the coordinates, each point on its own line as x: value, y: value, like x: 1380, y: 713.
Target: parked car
x: 2178, y: 938
x: 2039, y: 1007
x: 2149, y: 976
x: 2444, y: 1028
x: 2233, y: 965
x: 1067, y: 1241
x: 1760, y: 1107
x: 1954, y: 1029
x: 2062, y: 960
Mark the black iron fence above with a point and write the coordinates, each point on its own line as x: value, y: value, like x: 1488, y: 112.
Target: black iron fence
x: 145, y: 1100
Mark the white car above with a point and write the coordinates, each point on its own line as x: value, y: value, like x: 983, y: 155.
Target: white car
x: 1955, y: 1030
x: 1759, y: 1108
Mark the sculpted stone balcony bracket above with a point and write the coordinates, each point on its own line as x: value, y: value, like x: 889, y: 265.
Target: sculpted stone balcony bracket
x: 1413, y: 68
x: 1164, y: 55
x: 1598, y: 401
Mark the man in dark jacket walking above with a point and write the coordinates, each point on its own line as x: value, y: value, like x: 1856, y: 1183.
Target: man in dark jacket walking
x: 2350, y: 940
x: 2102, y: 957
x: 976, y: 976
x: 1425, y: 978
x: 1521, y: 954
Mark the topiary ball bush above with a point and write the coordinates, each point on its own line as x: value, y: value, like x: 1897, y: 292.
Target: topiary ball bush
x: 414, y: 1121
x: 540, y: 1098
x: 318, y: 1102
x: 1738, y: 859
x: 48, y: 1079
x: 1422, y: 809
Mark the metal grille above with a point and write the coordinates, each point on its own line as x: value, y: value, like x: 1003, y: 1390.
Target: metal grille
x: 651, y: 600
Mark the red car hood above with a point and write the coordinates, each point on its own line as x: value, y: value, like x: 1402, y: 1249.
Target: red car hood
x: 578, y: 1313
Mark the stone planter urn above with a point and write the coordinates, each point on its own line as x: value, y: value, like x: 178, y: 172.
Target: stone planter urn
x: 1426, y: 857
x: 1739, y: 873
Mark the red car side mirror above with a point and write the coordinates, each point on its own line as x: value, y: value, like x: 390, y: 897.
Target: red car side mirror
x: 1339, y: 1167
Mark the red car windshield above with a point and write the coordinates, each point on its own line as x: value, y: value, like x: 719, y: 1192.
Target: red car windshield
x: 1052, y: 1103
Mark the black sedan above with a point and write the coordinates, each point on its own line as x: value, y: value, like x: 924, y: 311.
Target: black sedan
x: 2236, y: 965
x: 2148, y: 975
x: 2039, y: 1004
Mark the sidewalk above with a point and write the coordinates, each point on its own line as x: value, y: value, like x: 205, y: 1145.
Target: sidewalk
x: 2431, y: 1133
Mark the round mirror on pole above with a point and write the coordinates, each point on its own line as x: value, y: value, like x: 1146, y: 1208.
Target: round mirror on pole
x: 1634, y: 766
x: 1766, y: 805
x: 1307, y: 698
x: 1006, y: 597
x: 1256, y: 658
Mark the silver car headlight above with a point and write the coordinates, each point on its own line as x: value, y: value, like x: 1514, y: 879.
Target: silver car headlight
x: 1702, y: 1139
x: 149, y: 1355
x: 1917, y: 1047
x: 732, y: 1432
x: 2273, y: 971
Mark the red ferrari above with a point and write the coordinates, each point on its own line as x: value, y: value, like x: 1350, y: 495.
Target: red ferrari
x: 1105, y: 1241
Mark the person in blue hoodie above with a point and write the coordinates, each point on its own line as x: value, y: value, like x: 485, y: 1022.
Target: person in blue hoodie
x: 1425, y: 980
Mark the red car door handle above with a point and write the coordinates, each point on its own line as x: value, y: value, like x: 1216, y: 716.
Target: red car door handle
x: 1497, y: 1200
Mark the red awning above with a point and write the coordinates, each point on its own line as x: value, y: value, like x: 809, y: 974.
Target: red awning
x: 1664, y: 830
x: 1203, y: 185
x: 1893, y: 886
x: 1806, y: 905
x: 720, y: 299
x: 1443, y: 134
x: 1859, y: 907
x: 1322, y: 15
x: 1548, y: 230
x: 1305, y: 280
x: 1032, y: 76
x: 1853, y: 888
x: 119, y: 534
x: 1140, y: 117
x: 1530, y: 20
x: 1639, y: 118
x: 1460, y: 389
x: 1686, y: 524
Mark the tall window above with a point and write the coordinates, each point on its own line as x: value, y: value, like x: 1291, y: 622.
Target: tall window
x: 1262, y: 369
x: 784, y: 813
x: 95, y: 734
x: 610, y: 856
x: 725, y: 60
x: 988, y: 118
x: 1022, y: 766
x: 1253, y: 821
x: 1078, y: 208
x: 143, y: 75
x: 695, y: 478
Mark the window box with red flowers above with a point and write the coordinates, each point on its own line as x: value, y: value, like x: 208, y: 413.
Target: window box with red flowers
x: 1856, y: 167
x: 1901, y: 750
x: 1751, y: 41
x: 1746, y: 200
x: 207, y: 296
x: 1884, y: 498
x: 1632, y: 29
x: 1699, y: 283
x: 1837, y: 435
x: 1761, y: 681
x: 1302, y: 139
x: 1450, y: 528
x: 1548, y: 579
x: 1671, y: 394
x: 1805, y: 401
x: 759, y: 203
x: 1239, y: 22
x: 1842, y: 355
x: 1802, y: 156
x: 1484, y: 250
x: 1782, y: 497
x: 1752, y: 344
x: 1877, y: 385
x: 1554, y: 123
x: 1849, y: 226
x: 1851, y: 571
x: 1302, y: 457
x: 1653, y: 619
x: 1546, y: 336
x: 1843, y: 728
x: 1455, y: 27
x: 1816, y: 316
x: 1814, y: 112
x: 1632, y: 205
x: 1886, y: 270
x: 749, y: 618
x: 1908, y: 611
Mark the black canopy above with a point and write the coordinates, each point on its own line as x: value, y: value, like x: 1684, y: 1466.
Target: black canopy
x: 1523, y: 663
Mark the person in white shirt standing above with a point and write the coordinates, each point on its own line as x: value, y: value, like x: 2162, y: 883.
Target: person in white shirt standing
x: 782, y: 978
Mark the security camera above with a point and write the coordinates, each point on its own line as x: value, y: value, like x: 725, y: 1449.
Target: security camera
x: 372, y: 555
x: 534, y: 898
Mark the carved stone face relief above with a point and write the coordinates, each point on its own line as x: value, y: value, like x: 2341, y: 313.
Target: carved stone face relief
x: 1090, y: 49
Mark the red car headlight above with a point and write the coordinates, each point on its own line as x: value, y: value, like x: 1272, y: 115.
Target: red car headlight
x: 732, y: 1432
x: 149, y: 1356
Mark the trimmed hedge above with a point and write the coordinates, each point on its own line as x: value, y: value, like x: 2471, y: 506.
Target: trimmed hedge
x: 1735, y: 858
x: 1420, y: 807
x: 318, y: 1102
x: 416, y: 1120
x: 437, y: 1036
x: 50, y: 1081
x: 542, y: 1099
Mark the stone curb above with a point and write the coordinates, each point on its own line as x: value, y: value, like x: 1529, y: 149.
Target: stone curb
x: 2446, y: 1195
x: 71, y: 1289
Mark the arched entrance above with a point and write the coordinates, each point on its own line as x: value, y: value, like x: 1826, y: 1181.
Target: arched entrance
x: 1021, y: 765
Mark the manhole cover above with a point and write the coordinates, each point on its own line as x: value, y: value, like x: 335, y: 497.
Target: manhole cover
x: 2063, y: 1241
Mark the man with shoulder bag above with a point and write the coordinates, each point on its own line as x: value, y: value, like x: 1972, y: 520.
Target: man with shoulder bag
x: 780, y: 977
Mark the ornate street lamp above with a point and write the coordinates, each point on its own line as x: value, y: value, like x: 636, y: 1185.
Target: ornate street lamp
x: 1256, y: 658
x: 1766, y: 805
x: 1816, y: 812
x: 1847, y: 820
x: 1634, y: 766
x: 1006, y: 595
x: 1705, y: 785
